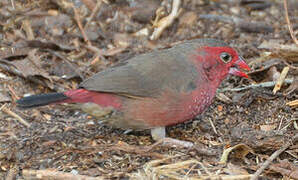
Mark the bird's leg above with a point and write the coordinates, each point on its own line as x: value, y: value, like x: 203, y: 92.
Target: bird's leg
x: 159, y: 134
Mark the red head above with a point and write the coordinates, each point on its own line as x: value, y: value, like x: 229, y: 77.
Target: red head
x: 218, y: 62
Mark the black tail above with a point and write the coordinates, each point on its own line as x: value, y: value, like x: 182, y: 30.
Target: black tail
x: 40, y: 100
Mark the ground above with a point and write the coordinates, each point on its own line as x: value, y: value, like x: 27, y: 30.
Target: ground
x: 50, y: 46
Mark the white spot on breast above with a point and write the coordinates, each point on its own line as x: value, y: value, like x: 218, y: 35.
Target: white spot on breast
x: 200, y: 102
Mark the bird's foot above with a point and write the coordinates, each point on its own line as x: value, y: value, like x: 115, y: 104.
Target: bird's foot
x: 159, y: 133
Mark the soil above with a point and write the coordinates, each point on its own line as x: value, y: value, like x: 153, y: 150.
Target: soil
x: 44, y: 50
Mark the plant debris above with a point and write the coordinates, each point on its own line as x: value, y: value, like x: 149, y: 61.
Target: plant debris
x: 248, y: 132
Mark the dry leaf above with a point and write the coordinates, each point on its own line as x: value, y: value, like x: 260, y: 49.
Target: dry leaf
x: 240, y: 151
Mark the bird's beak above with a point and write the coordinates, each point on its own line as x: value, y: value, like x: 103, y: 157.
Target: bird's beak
x: 239, y: 64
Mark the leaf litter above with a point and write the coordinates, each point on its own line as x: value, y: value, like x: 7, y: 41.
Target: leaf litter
x: 53, y: 45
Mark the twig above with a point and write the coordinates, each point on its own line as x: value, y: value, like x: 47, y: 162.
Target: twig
x: 13, y: 4
x: 109, y: 52
x: 175, y: 142
x: 272, y: 157
x: 240, y: 23
x: 204, y: 151
x: 253, y: 86
x: 288, y: 124
x: 288, y: 64
x: 95, y: 60
x: 293, y: 87
x: 167, y: 21
x: 13, y: 93
x: 204, y: 168
x: 292, y: 103
x: 280, y: 123
x: 53, y: 174
x: 94, y: 11
x: 77, y: 18
x: 9, y: 112
x: 213, y: 127
x: 289, y: 23
x: 281, y: 79
x: 96, y: 50
x: 190, y: 169
x: 295, y: 124
x: 89, y: 4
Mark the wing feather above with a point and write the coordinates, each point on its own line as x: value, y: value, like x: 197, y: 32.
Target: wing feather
x: 148, y: 74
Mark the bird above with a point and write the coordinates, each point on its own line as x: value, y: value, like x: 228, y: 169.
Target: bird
x: 153, y: 90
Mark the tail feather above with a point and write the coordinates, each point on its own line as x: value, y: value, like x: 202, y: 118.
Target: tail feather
x: 41, y: 100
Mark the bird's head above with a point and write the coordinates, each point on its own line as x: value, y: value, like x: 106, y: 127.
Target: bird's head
x: 218, y: 62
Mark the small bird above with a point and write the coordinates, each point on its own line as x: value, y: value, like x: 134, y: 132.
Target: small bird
x: 153, y: 90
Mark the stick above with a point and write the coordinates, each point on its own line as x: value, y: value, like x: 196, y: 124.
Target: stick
x: 13, y: 93
x: 289, y: 23
x: 253, y: 86
x: 288, y: 64
x: 89, y: 4
x: 213, y: 127
x: 94, y: 11
x: 272, y: 157
x: 240, y: 23
x: 77, y: 18
x: 292, y: 103
x: 9, y: 112
x: 281, y: 79
x: 53, y: 174
x: 167, y: 21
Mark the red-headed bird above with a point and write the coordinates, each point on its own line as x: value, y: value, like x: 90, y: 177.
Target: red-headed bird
x: 153, y: 90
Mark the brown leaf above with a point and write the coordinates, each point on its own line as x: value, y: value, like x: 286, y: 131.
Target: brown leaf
x: 240, y: 151
x: 233, y: 169
x: 64, y: 70
x: 286, y: 169
x: 12, y: 53
x: 48, y: 45
x: 258, y: 140
x: 30, y: 68
x: 143, y: 11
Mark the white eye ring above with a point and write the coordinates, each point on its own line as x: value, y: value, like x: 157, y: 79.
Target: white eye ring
x: 225, y: 57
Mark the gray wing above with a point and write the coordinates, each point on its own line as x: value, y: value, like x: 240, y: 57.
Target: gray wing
x: 148, y: 74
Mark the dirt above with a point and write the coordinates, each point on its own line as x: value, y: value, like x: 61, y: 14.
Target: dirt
x: 39, y: 36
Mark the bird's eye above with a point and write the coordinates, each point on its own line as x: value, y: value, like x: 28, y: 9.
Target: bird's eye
x: 225, y: 57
